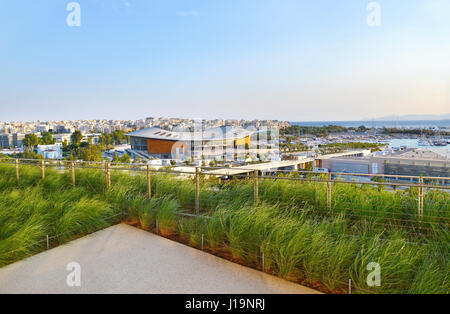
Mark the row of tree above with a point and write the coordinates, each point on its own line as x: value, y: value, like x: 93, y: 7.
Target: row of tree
x: 114, y: 138
x: 425, y: 132
x: 32, y: 140
x: 339, y: 147
x: 321, y: 131
x: 77, y: 149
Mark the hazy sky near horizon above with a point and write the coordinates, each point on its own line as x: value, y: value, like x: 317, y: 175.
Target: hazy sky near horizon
x: 270, y: 59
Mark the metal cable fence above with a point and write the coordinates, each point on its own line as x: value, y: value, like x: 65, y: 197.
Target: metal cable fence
x: 268, y: 258
x: 425, y: 203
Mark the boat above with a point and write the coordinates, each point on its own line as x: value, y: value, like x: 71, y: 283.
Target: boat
x: 440, y: 142
x: 423, y: 141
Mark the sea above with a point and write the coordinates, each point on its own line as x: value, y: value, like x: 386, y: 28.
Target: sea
x: 379, y: 124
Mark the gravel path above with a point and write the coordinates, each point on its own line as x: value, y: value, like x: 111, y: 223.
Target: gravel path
x: 124, y: 259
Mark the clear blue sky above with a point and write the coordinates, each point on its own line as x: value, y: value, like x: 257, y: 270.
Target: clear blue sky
x: 282, y: 59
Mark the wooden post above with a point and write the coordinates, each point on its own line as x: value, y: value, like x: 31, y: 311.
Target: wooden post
x: 107, y: 175
x: 329, y: 191
x: 197, y: 191
x: 420, y: 212
x: 256, y: 188
x: 17, y: 170
x: 149, y: 185
x: 419, y: 197
x: 43, y: 169
x: 72, y: 168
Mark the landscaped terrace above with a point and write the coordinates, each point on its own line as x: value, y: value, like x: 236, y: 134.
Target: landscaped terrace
x: 317, y: 230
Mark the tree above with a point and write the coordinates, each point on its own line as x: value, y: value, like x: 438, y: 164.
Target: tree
x: 30, y: 141
x: 29, y: 154
x: 118, y: 137
x: 125, y: 159
x: 115, y: 157
x: 90, y: 153
x: 76, y: 137
x: 47, y: 138
x: 380, y: 187
x: 362, y: 128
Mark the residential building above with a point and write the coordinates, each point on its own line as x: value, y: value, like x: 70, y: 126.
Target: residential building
x: 6, y: 140
x: 62, y: 137
x: 18, y: 139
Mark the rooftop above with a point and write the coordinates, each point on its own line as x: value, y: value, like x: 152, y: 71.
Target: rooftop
x: 421, y: 153
x: 209, y: 134
x: 346, y: 154
x: 268, y: 166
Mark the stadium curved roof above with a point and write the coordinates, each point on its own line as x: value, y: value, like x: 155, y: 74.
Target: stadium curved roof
x: 218, y: 133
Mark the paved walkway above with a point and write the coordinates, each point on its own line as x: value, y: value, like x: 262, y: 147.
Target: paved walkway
x: 124, y: 259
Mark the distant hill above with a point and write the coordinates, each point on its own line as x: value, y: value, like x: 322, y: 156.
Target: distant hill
x: 413, y: 117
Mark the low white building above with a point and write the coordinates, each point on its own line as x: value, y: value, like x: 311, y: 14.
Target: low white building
x: 50, y: 151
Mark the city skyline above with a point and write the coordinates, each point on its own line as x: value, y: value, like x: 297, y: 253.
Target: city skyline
x: 299, y: 61
x: 392, y: 118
